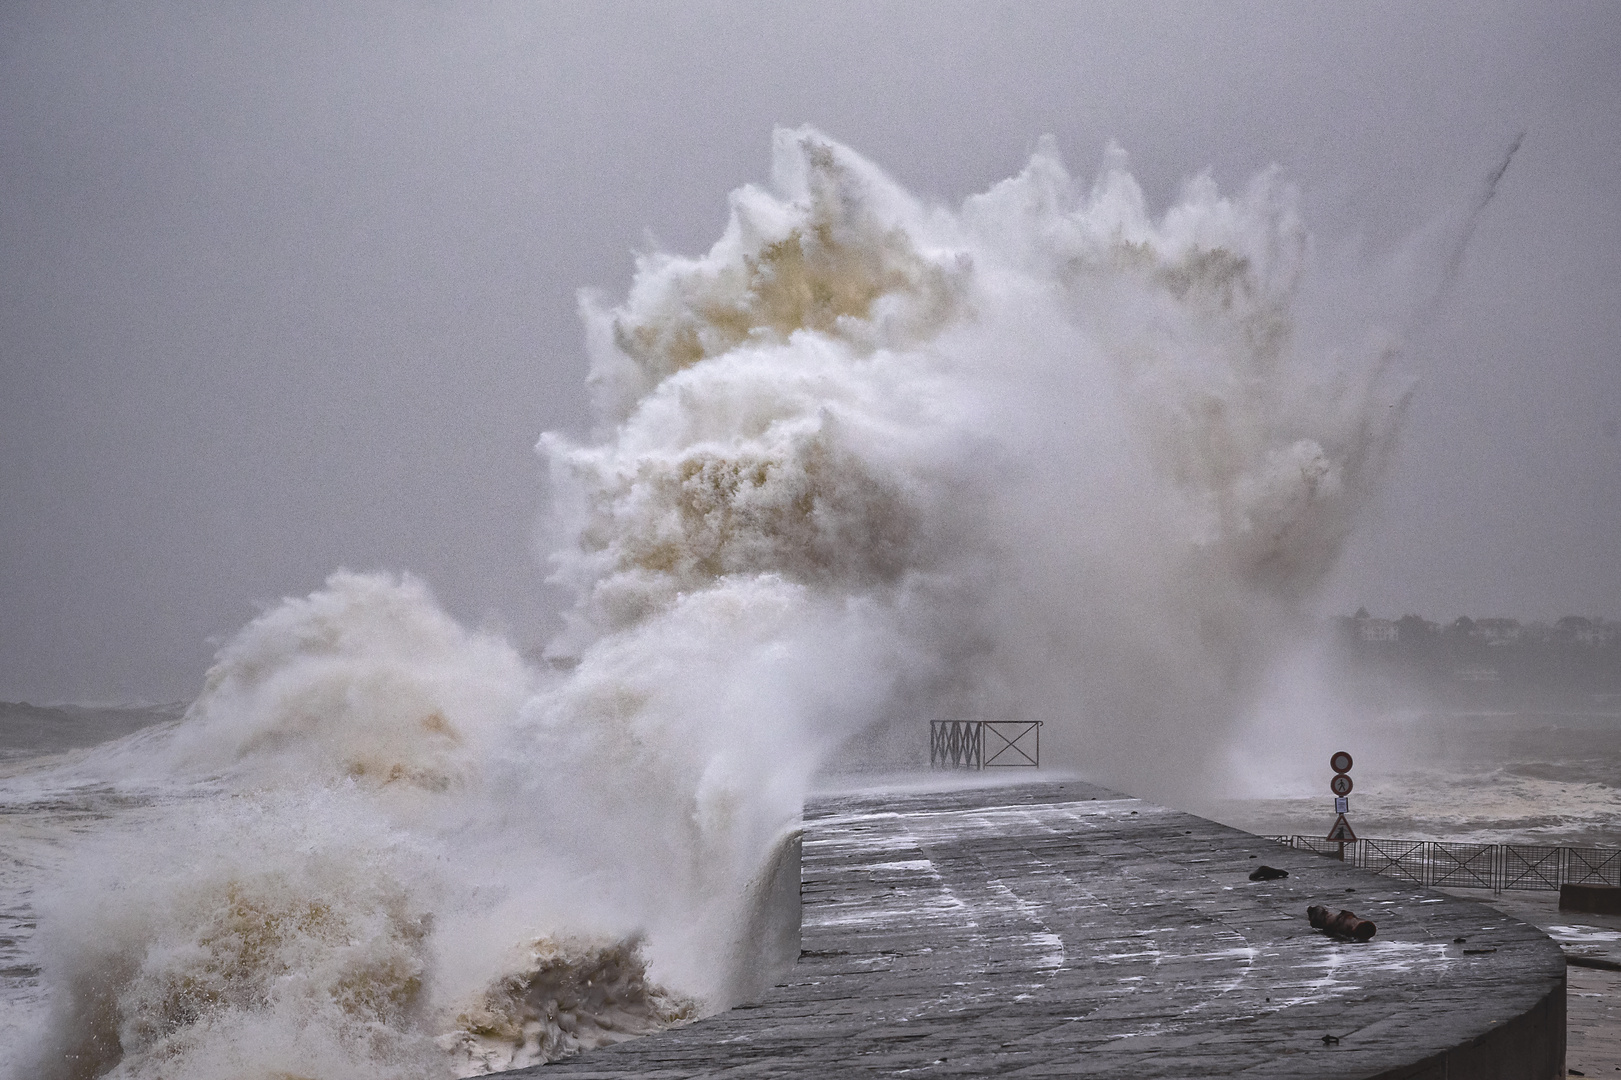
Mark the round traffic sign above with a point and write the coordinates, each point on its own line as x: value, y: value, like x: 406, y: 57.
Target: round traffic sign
x: 1340, y: 785
x: 1340, y: 762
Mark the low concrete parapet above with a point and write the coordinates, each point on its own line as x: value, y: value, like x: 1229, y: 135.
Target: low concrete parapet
x: 1592, y: 899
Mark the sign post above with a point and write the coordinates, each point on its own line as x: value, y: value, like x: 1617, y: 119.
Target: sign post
x: 1341, y: 833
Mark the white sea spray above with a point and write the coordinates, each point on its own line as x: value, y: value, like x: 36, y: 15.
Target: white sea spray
x: 866, y: 462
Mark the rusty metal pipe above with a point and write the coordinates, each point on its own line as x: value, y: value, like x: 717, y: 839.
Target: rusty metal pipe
x: 1345, y: 924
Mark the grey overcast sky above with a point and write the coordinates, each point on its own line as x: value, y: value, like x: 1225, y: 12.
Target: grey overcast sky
x: 289, y: 286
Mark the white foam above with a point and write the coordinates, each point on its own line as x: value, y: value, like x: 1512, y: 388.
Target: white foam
x: 865, y: 462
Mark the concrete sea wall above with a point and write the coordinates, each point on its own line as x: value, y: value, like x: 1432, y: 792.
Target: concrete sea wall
x: 1059, y: 929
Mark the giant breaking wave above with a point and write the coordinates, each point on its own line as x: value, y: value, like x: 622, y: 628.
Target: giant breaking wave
x: 866, y: 462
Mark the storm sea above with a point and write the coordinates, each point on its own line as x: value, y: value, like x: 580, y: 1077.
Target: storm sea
x: 869, y: 461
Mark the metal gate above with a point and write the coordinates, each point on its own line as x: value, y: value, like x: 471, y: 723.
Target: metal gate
x: 984, y: 744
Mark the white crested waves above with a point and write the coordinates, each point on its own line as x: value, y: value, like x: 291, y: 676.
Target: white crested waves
x: 866, y: 462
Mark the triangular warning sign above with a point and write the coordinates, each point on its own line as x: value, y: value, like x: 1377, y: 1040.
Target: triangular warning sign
x: 1341, y: 831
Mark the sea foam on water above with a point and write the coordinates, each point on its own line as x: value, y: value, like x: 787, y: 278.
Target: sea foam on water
x: 866, y: 462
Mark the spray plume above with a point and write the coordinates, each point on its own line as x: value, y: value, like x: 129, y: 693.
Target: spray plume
x: 865, y: 462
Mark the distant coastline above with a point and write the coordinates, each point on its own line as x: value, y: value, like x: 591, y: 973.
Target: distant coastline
x: 1571, y: 664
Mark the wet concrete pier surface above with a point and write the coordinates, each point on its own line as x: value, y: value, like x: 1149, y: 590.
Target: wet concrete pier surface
x: 1058, y: 929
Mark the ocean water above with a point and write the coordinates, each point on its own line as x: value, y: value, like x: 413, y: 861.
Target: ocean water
x: 66, y: 780
x: 868, y: 461
x: 43, y: 809
x: 1528, y: 777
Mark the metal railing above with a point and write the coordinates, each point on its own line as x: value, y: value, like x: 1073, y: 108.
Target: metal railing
x: 984, y: 744
x: 1473, y: 866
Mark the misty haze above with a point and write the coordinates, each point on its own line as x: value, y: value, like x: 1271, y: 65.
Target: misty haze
x: 471, y: 473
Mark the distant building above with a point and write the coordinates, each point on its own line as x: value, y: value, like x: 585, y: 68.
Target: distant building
x: 1496, y: 631
x: 1596, y: 635
x: 1376, y: 629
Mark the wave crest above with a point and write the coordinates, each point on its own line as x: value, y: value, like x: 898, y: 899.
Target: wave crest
x: 865, y: 462
x: 562, y: 997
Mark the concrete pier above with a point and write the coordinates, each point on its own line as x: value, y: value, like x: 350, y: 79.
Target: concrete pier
x: 1058, y: 929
